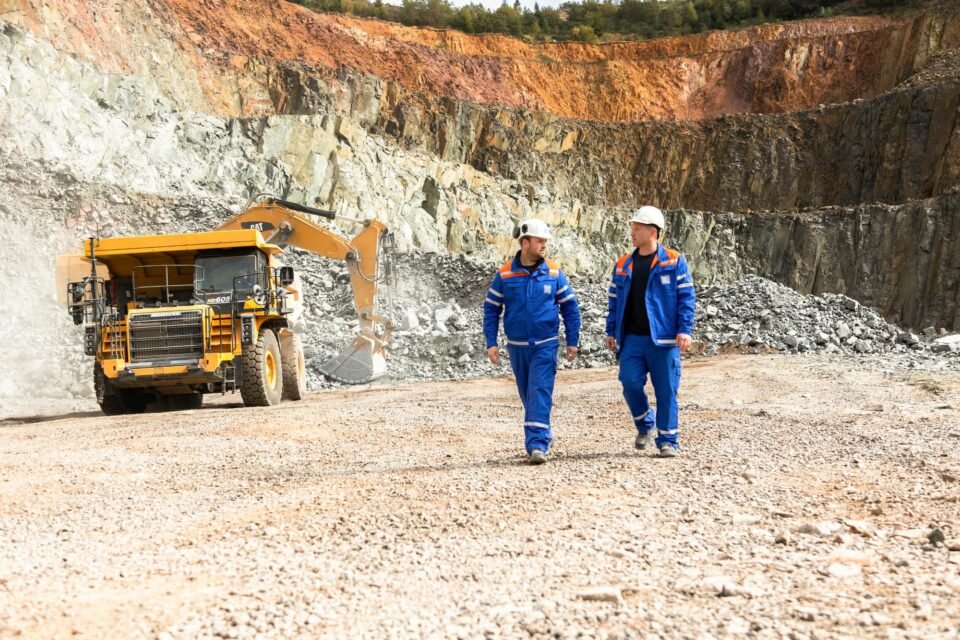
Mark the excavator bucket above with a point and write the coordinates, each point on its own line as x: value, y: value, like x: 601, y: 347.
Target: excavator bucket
x: 361, y: 362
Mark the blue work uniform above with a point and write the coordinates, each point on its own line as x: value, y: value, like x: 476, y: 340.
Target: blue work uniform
x: 670, y: 302
x: 531, y: 303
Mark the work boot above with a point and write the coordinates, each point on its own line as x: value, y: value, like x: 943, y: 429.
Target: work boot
x: 537, y: 457
x: 644, y: 440
x: 668, y: 451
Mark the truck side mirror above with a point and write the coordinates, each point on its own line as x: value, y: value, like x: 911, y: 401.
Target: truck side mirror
x: 286, y: 275
x: 76, y: 291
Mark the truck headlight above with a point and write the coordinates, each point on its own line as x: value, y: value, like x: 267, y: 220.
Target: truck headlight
x: 90, y: 340
x: 246, y: 330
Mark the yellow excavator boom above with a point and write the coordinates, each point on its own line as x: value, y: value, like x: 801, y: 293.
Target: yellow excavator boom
x: 286, y: 223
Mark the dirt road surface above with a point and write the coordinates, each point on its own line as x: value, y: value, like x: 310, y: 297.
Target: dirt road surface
x: 803, y: 505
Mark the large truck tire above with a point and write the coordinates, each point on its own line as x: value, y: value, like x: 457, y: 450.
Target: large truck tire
x: 114, y: 401
x: 261, y: 382
x: 294, y: 366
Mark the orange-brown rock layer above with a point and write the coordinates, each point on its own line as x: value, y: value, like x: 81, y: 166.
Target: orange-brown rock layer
x: 776, y: 68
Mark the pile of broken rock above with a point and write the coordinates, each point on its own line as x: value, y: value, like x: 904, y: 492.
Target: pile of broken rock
x: 764, y: 315
x: 437, y: 307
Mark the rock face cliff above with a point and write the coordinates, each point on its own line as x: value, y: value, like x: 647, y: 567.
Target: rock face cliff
x: 824, y: 154
x: 904, y: 259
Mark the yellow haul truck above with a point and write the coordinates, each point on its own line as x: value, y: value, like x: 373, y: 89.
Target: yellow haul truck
x: 169, y: 318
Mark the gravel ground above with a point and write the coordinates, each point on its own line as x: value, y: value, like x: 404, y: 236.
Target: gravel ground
x: 811, y: 500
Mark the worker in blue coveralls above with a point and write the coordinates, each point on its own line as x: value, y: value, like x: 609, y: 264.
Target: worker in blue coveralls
x: 532, y: 292
x: 649, y: 320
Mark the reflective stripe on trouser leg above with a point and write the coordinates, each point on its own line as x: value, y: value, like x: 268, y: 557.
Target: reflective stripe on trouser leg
x: 664, y: 365
x: 535, y: 369
x: 633, y: 377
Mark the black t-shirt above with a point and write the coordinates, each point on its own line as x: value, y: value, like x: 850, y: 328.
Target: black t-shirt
x: 530, y: 269
x: 635, y: 318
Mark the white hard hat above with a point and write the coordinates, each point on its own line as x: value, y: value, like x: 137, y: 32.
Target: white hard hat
x: 533, y: 227
x: 648, y: 215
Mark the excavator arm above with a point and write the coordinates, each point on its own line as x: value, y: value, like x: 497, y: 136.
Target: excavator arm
x: 286, y: 223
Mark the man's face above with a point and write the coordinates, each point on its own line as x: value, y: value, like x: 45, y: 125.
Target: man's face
x: 642, y: 234
x: 534, y: 247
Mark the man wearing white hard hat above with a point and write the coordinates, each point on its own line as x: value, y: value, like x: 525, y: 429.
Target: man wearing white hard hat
x: 649, y: 322
x: 532, y: 293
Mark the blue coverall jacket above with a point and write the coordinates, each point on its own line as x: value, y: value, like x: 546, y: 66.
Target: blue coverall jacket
x: 670, y: 297
x: 530, y: 303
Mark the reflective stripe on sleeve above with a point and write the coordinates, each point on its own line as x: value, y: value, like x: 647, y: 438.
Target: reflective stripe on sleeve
x: 494, y: 302
x: 499, y: 295
x: 565, y: 299
x: 685, y: 284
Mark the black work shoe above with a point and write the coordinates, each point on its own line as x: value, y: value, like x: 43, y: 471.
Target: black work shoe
x: 644, y: 440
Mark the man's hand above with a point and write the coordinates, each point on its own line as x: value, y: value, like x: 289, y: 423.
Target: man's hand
x: 611, y: 343
x: 493, y: 355
x: 683, y: 342
x: 571, y: 353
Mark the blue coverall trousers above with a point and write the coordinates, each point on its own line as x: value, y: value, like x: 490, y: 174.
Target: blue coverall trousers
x: 638, y: 357
x: 535, y: 369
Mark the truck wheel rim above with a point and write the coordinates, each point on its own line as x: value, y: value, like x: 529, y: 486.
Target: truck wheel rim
x: 271, y: 366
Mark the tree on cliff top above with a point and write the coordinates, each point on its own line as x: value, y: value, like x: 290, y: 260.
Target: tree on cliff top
x: 590, y: 20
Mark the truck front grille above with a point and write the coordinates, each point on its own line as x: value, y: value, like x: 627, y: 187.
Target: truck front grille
x: 166, y: 335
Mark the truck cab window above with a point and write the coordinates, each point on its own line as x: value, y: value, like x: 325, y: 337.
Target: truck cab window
x: 222, y: 273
